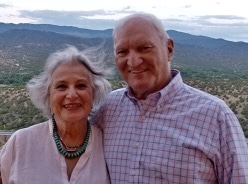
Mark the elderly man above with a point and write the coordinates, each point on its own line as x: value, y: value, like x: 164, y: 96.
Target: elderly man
x: 158, y: 129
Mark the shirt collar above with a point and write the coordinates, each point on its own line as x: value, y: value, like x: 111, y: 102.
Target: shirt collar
x: 165, y: 93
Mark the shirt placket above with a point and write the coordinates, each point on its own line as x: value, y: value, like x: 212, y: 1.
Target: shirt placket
x: 137, y: 146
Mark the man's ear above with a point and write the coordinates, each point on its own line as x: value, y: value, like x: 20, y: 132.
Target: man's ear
x: 170, y: 47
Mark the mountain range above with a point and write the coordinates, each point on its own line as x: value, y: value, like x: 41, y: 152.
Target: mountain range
x: 25, y: 47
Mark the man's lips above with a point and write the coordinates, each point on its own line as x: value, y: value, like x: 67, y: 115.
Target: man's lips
x: 136, y: 71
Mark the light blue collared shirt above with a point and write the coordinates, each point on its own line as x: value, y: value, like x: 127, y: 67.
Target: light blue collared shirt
x: 177, y: 135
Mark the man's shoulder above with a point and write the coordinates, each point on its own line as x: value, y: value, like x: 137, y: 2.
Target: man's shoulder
x: 204, y: 96
x: 117, y: 93
x: 114, y: 97
x: 200, y: 92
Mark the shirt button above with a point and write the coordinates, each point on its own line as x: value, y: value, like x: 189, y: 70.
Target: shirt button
x: 143, y: 117
x: 133, y: 173
x: 136, y: 145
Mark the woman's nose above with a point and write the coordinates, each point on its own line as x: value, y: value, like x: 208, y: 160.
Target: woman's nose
x: 72, y: 93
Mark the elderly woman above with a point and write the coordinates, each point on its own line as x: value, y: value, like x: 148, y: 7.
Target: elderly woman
x: 66, y: 148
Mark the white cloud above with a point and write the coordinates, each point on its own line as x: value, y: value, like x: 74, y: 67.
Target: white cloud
x: 226, y: 19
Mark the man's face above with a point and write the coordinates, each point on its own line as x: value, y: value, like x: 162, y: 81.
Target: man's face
x: 142, y: 57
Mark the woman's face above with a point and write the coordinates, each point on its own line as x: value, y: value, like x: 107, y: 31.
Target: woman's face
x: 71, y: 93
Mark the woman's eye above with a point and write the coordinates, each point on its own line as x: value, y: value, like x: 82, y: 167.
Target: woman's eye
x: 61, y: 87
x: 81, y: 86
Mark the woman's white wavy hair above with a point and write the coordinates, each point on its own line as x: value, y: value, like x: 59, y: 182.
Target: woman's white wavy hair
x: 91, y: 58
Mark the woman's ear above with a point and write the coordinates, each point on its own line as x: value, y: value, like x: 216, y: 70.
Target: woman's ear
x: 170, y: 47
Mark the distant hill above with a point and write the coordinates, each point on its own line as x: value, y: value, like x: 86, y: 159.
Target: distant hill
x: 25, y: 47
x: 24, y: 51
x: 217, y: 66
x: 207, y: 42
x: 69, y: 30
x: 203, y: 52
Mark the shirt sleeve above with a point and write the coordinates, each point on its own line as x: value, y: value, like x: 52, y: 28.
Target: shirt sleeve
x: 6, y: 158
x: 234, y: 151
x: 97, y: 119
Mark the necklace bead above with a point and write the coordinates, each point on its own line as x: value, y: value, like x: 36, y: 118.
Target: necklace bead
x: 67, y: 153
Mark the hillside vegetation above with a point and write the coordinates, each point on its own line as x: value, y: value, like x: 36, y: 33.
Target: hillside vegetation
x: 17, y: 110
x: 216, y: 66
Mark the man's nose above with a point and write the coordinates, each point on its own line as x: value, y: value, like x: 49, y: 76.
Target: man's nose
x: 134, y: 59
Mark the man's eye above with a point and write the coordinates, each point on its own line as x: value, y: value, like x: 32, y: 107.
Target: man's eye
x: 121, y: 52
x: 146, y: 47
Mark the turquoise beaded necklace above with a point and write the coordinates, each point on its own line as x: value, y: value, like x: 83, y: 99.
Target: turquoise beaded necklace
x: 59, y: 144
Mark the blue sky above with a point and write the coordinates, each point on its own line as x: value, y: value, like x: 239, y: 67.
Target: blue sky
x: 227, y: 19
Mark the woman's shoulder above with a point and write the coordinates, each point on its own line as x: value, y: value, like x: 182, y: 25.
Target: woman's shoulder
x: 27, y: 135
x: 33, y: 130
